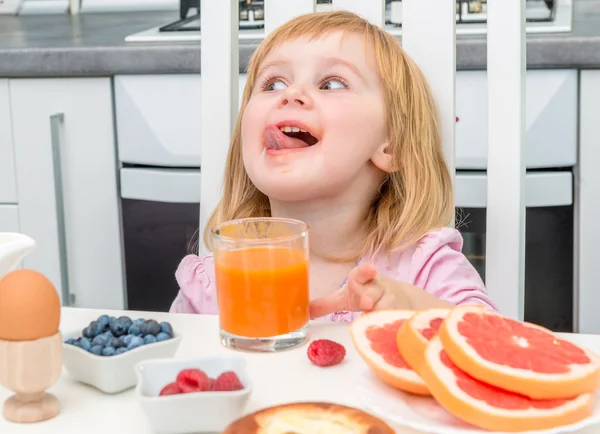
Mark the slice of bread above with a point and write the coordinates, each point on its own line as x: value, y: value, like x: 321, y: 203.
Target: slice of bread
x: 309, y: 418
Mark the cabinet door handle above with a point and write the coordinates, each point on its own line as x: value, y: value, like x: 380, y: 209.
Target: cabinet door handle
x: 56, y: 122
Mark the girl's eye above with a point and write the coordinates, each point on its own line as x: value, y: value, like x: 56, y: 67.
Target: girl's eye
x: 334, y: 83
x: 274, y: 85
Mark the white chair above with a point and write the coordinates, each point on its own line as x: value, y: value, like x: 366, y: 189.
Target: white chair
x: 430, y: 39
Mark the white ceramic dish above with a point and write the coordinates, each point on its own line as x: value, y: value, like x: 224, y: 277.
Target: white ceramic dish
x: 191, y: 412
x: 112, y: 374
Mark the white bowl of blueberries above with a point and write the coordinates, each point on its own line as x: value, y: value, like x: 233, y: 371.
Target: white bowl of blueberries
x: 104, y: 353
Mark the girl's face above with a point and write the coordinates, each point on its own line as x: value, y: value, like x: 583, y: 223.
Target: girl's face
x: 314, y: 127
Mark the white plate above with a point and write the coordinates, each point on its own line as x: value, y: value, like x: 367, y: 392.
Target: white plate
x: 424, y: 414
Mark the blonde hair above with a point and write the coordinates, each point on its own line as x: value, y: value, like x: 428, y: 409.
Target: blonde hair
x: 415, y: 198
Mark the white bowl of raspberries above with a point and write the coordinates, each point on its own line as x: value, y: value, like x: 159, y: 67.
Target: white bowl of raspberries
x: 203, y: 394
x: 104, y: 353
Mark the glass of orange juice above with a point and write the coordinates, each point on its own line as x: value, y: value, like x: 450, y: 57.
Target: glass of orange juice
x: 261, y: 271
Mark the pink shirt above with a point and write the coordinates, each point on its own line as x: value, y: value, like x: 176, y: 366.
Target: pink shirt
x: 434, y: 264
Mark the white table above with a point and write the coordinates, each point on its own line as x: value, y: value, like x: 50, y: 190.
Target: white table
x: 283, y: 377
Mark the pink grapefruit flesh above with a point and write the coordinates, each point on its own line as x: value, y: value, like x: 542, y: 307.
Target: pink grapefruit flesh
x: 374, y: 335
x: 415, y: 334
x: 489, y: 407
x: 516, y: 356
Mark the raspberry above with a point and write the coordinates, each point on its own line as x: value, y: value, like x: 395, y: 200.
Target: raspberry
x: 227, y: 381
x: 193, y: 380
x: 324, y: 352
x: 170, y: 389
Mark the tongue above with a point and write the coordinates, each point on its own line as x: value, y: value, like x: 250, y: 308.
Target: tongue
x: 275, y: 139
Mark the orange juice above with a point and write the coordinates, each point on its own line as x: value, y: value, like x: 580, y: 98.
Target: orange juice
x: 262, y: 291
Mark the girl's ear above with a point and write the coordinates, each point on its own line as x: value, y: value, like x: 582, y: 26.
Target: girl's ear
x: 383, y: 159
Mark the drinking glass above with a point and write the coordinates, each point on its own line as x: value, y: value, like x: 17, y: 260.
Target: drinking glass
x: 261, y: 271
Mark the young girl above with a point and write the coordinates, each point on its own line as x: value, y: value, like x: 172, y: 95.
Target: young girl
x: 338, y: 128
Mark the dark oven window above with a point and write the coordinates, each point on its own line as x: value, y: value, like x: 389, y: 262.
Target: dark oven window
x: 157, y: 236
x: 548, y: 261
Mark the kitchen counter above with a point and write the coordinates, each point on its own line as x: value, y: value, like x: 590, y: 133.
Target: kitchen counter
x: 94, y: 44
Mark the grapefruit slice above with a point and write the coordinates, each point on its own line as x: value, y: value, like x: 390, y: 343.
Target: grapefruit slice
x: 374, y: 336
x: 415, y: 334
x: 492, y: 408
x: 517, y: 356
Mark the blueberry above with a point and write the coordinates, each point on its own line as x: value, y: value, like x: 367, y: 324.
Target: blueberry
x: 103, y: 320
x: 136, y: 341
x: 70, y: 341
x: 152, y: 327
x: 100, y: 340
x: 108, y: 351
x: 134, y: 330
x: 96, y: 349
x: 162, y: 336
x: 115, y: 343
x: 143, y: 329
x: 139, y: 321
x: 149, y: 339
x: 127, y: 340
x: 126, y: 321
x: 117, y: 328
x: 86, y: 333
x: 84, y: 343
x: 120, y: 351
x: 165, y: 327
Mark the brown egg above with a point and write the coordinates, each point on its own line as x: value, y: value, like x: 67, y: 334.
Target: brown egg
x: 29, y: 306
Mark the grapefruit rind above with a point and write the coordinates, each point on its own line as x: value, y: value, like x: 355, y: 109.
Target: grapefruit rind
x: 442, y: 384
x: 411, y: 342
x: 579, y: 380
x: 400, y: 378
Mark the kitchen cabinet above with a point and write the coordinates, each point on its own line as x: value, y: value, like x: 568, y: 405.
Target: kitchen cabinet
x: 8, y: 188
x: 66, y: 171
x: 9, y: 218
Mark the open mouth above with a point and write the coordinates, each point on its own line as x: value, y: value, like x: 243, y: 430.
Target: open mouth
x: 300, y: 134
x: 284, y: 136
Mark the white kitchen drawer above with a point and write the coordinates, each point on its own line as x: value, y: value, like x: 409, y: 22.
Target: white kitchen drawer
x: 551, y: 119
x: 9, y: 218
x: 8, y: 185
x: 159, y: 119
x: 161, y: 185
x: 542, y: 189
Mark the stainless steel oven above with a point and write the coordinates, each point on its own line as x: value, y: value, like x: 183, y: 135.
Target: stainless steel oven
x: 161, y: 214
x: 549, y: 235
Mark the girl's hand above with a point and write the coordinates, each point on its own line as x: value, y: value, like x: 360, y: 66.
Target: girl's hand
x: 368, y: 290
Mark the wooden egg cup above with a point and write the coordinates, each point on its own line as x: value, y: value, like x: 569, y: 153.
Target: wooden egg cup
x: 28, y: 368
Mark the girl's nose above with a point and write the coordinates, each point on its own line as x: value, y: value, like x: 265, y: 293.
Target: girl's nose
x: 295, y: 96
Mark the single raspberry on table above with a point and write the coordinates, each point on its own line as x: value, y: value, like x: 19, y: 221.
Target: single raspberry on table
x: 193, y: 380
x: 324, y: 352
x: 170, y: 389
x: 227, y: 381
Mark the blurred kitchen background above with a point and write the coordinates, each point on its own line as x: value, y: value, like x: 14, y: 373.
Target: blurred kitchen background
x: 100, y: 159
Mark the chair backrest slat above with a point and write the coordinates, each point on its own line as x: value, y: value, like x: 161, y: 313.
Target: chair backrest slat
x: 219, y: 65
x: 430, y: 40
x: 505, y: 228
x: 371, y: 10
x: 278, y: 12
